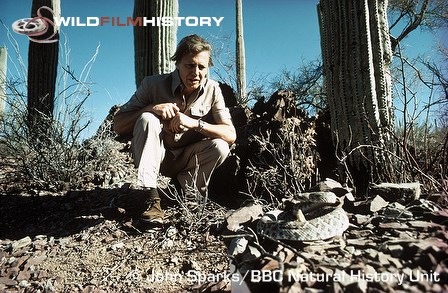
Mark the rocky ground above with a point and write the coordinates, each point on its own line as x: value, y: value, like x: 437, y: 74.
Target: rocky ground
x: 89, y: 241
x: 389, y: 247
x: 83, y: 241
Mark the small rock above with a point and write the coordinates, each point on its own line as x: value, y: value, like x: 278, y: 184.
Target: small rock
x: 12, y: 272
x: 238, y: 246
x: 422, y: 224
x: 23, y: 276
x: 24, y: 283
x: 174, y: 260
x: 36, y: 260
x: 327, y: 185
x: 362, y: 219
x: 393, y: 226
x: 7, y: 281
x: 11, y: 260
x: 64, y: 241
x: 167, y: 244
x: 395, y: 250
x: 243, y: 215
x: 331, y: 185
x: 383, y: 258
x: 372, y: 253
x: 397, y: 211
x: 16, y: 245
x: 350, y: 249
x: 117, y: 246
x: 253, y: 253
x: 377, y: 204
x: 396, y: 262
x: 171, y: 232
x: 402, y: 192
x: 40, y: 237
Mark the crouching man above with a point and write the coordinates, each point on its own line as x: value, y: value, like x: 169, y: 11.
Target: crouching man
x: 180, y: 124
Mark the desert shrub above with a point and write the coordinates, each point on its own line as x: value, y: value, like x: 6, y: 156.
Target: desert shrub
x: 107, y: 158
x: 47, y: 156
x: 53, y: 153
x: 284, y: 158
x: 424, y: 154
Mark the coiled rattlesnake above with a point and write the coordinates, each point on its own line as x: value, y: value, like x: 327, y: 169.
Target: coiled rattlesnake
x: 316, y: 216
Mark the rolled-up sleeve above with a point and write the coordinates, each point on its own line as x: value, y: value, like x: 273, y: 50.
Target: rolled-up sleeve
x: 219, y: 110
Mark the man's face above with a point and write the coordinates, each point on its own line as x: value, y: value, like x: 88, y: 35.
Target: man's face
x: 192, y: 70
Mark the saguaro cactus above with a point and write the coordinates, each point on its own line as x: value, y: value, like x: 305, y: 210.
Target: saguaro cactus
x: 154, y: 45
x: 42, y: 67
x: 3, y: 67
x: 356, y: 56
x: 240, y: 53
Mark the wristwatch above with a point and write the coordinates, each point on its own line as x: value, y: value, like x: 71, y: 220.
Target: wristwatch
x: 201, y: 125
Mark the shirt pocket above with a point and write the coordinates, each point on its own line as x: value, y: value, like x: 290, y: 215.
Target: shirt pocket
x: 200, y: 110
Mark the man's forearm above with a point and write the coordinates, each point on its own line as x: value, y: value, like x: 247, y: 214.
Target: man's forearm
x: 124, y: 122
x: 225, y: 131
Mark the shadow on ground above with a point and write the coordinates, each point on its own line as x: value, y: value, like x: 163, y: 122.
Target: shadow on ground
x: 62, y: 215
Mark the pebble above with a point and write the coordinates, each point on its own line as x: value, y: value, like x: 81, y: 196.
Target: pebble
x: 16, y: 245
x: 24, y: 283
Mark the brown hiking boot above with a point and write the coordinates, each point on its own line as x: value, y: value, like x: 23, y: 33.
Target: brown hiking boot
x: 154, y: 213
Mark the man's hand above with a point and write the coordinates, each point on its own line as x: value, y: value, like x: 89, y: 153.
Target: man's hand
x: 166, y: 110
x: 182, y: 122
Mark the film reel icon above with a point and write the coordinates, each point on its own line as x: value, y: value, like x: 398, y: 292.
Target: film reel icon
x: 36, y: 26
x: 29, y: 26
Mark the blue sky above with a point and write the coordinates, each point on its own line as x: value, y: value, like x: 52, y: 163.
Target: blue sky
x: 278, y: 35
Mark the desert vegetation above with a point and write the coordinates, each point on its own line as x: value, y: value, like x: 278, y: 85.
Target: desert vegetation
x: 67, y: 223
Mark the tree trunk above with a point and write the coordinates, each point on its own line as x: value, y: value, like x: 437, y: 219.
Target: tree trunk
x: 42, y: 67
x: 240, y: 53
x: 356, y: 55
x: 154, y: 45
x: 3, y: 64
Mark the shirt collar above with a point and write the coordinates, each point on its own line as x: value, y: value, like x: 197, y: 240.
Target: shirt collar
x: 176, y: 83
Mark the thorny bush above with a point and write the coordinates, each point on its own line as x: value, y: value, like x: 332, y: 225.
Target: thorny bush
x: 285, y: 158
x: 51, y: 155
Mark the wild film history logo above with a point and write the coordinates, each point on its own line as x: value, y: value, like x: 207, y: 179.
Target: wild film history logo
x: 36, y: 27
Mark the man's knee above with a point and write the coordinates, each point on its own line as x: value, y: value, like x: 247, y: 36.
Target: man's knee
x: 147, y: 121
x: 221, y: 148
x: 149, y: 117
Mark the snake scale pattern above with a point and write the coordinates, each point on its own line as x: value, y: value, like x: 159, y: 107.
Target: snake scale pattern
x: 316, y: 216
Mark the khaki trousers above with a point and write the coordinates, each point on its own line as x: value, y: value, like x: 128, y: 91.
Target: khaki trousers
x: 192, y: 165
